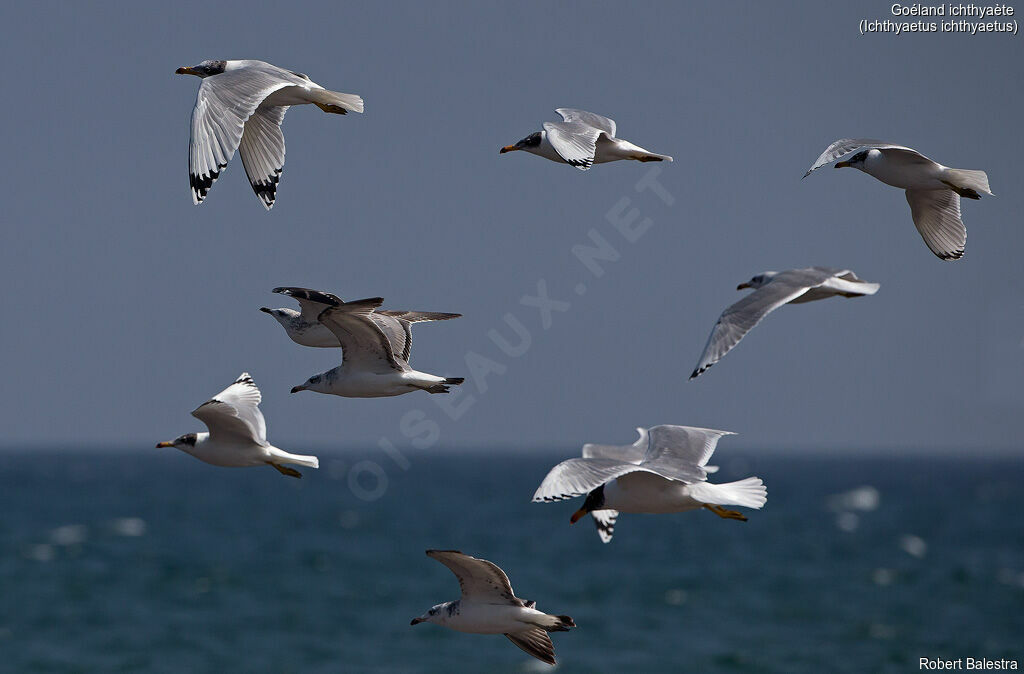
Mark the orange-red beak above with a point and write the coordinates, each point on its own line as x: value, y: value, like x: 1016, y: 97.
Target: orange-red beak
x: 745, y: 284
x: 184, y: 71
x: 508, y: 148
x: 577, y: 515
x: 160, y: 445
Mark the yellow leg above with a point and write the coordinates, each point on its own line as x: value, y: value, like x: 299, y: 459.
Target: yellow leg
x: 285, y: 470
x: 725, y: 514
x: 328, y: 107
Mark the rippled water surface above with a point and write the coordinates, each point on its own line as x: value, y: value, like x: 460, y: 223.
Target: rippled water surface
x: 153, y: 562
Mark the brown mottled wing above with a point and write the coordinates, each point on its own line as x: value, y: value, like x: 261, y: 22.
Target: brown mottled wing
x: 536, y: 642
x: 480, y: 580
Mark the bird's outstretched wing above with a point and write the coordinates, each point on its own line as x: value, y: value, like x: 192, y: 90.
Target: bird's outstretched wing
x: 235, y: 413
x: 575, y: 142
x: 630, y: 453
x: 681, y: 452
x: 480, y: 580
x: 536, y: 642
x: 262, y: 151
x: 847, y: 145
x: 576, y: 477
x: 224, y: 104
x: 740, y: 318
x: 311, y: 302
x: 936, y: 215
x: 397, y: 325
x: 364, y: 345
x: 589, y: 118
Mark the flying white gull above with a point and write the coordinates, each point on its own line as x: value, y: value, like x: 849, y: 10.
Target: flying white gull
x: 371, y: 367
x: 663, y: 472
x: 238, y: 433
x: 488, y: 606
x: 582, y: 139
x: 933, y: 190
x: 304, y: 329
x: 241, y: 105
x: 773, y: 289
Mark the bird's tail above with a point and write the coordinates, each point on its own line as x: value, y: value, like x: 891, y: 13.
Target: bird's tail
x: 333, y: 101
x: 971, y: 182
x: 282, y: 456
x: 749, y: 493
x: 454, y: 381
x: 651, y: 156
x: 555, y: 623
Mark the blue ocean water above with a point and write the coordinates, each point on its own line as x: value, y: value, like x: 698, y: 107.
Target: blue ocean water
x: 150, y: 561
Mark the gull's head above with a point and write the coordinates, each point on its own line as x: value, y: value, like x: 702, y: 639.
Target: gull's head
x: 187, y: 440
x: 204, y: 69
x: 436, y: 614
x: 530, y: 143
x: 759, y: 280
x: 595, y: 501
x: 856, y: 161
x: 314, y: 383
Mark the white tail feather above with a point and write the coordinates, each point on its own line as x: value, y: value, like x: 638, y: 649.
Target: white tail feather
x: 295, y: 459
x: 969, y: 180
x: 749, y: 493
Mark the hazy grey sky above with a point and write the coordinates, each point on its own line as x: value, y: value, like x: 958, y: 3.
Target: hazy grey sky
x: 126, y: 306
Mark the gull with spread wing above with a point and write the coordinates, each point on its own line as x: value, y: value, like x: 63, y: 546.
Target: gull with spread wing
x: 581, y: 139
x: 240, y: 106
x: 933, y: 190
x: 772, y: 290
x: 371, y: 365
x: 238, y: 433
x: 665, y: 471
x: 304, y: 329
x: 489, y: 606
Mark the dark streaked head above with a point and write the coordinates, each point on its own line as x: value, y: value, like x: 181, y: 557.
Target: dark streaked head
x: 759, y: 280
x: 530, y: 142
x: 188, y: 439
x: 310, y: 384
x: 856, y: 161
x: 595, y: 501
x: 433, y: 615
x: 204, y: 69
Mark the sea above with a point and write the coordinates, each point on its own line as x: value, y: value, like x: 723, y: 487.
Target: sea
x: 150, y: 561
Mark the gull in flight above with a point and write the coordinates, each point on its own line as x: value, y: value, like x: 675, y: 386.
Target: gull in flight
x: 488, y: 606
x: 304, y: 329
x: 581, y: 139
x: 772, y: 290
x: 241, y: 105
x: 371, y: 365
x: 238, y: 433
x: 933, y: 190
x: 663, y: 472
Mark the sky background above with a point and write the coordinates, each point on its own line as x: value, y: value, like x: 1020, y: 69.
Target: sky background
x: 125, y: 306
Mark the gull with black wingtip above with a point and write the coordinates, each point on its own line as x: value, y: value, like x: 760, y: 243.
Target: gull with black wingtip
x: 238, y: 433
x: 240, y: 106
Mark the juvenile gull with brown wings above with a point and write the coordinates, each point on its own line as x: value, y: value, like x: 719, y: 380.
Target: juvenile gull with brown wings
x: 489, y: 606
x: 371, y: 365
x: 304, y: 329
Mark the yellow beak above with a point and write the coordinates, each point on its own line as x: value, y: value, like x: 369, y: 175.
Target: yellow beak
x: 160, y: 445
x: 184, y: 71
x: 743, y: 285
x: 508, y: 148
x: 577, y: 515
